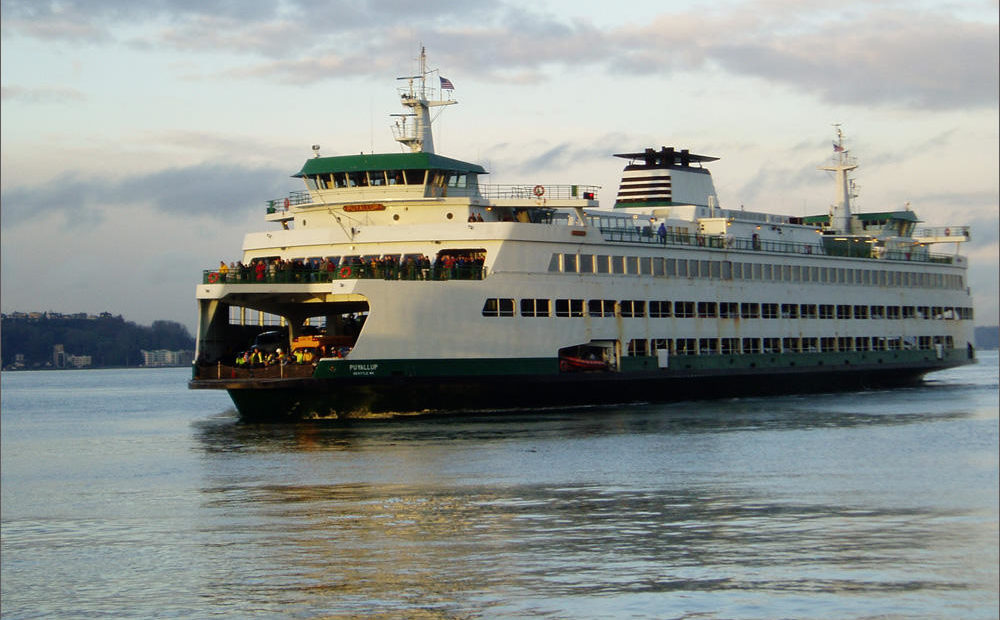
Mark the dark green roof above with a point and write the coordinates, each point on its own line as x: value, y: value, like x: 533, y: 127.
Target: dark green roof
x: 385, y: 161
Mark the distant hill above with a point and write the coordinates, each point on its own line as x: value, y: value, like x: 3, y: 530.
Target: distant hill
x: 988, y: 337
x: 46, y: 340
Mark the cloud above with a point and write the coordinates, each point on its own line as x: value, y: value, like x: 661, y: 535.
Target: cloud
x: 890, y: 53
x: 51, y: 94
x: 201, y: 191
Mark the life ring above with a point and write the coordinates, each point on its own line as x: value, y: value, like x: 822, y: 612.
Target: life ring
x: 287, y: 204
x: 213, y: 277
x: 345, y: 271
x: 538, y: 191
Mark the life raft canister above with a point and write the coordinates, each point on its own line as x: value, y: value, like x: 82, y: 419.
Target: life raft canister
x: 538, y: 191
x: 345, y: 271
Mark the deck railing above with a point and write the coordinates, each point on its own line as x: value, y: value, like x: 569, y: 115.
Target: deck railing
x: 308, y: 274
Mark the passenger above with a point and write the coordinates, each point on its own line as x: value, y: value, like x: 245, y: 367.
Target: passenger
x: 662, y: 233
x: 256, y: 358
x: 479, y: 217
x: 280, y: 357
x: 307, y: 356
x: 298, y: 355
x: 223, y: 271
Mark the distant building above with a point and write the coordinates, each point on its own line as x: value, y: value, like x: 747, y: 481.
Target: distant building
x: 163, y: 357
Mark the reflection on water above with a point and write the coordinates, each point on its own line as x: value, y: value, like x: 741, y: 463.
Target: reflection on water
x: 124, y: 494
x: 739, y: 508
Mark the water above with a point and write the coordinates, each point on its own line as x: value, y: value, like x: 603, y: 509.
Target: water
x: 124, y: 494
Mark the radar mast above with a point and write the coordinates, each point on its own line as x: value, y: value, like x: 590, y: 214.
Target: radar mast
x: 414, y: 128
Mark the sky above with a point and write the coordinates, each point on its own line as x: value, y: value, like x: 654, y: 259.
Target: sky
x: 140, y: 139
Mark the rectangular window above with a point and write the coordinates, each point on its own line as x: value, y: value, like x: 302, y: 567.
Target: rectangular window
x: 772, y: 345
x: 554, y: 263
x: 569, y: 307
x: 603, y: 263
x: 637, y: 348
x: 708, y: 346
x: 727, y: 270
x: 789, y: 311
x: 729, y: 346
x: 659, y: 344
x: 843, y: 311
x: 618, y: 264
x: 861, y: 312
x: 632, y: 265
x: 671, y: 266
x: 827, y: 345
x: 633, y: 308
x: 586, y: 263
x: 498, y: 307
x: 716, y: 269
x: 878, y: 312
x: 826, y: 311
x: 684, y: 309
x: 659, y: 309
x: 909, y: 312
x: 658, y: 269
x: 682, y: 268
x: 844, y: 343
x: 810, y: 345
x: 769, y: 311
x: 749, y: 311
x: 569, y: 263
x: 704, y: 269
x: 751, y: 345
x: 708, y: 309
x: 685, y: 346
x: 768, y: 272
x: 808, y: 311
x: 645, y: 265
x: 862, y: 343
x: 535, y: 307
x: 790, y: 345
x: 729, y: 310
x: 601, y: 307
x: 892, y: 313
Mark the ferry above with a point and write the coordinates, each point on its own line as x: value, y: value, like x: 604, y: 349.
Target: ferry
x: 401, y: 283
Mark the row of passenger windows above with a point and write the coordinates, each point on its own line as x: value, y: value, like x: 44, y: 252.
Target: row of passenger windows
x: 736, y: 346
x: 636, y: 308
x: 730, y: 270
x: 377, y: 178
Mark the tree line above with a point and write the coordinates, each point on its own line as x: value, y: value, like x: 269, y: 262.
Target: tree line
x: 109, y: 340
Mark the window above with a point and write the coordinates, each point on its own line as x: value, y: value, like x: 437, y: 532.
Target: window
x: 659, y: 344
x: 569, y: 307
x: 769, y: 311
x: 682, y: 268
x: 645, y: 265
x: 534, y: 307
x: 498, y: 307
x: 569, y: 263
x: 617, y: 264
x: 637, y: 348
x: 862, y: 343
x: 729, y: 310
x: 684, y: 309
x: 659, y: 309
x: 658, y: 269
x: 729, y: 346
x: 632, y: 265
x: 772, y: 345
x: 632, y: 308
x: 790, y: 345
x: 878, y: 312
x: 843, y: 311
x: 861, y: 312
x: 808, y: 311
x: 601, y: 307
x: 909, y: 312
x: 603, y: 263
x: 708, y: 346
x: 586, y: 263
x: 554, y: 262
x: 749, y: 311
x: 891, y: 312
x: 844, y: 343
x: 685, y: 346
x: 671, y: 267
x: 789, y: 311
x: 751, y: 345
x: 810, y: 345
x: 707, y: 309
x: 827, y: 345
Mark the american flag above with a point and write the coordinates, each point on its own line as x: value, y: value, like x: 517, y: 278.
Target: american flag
x: 837, y: 148
x: 446, y: 84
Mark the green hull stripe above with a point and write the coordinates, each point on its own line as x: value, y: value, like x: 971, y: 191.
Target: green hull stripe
x: 334, y: 369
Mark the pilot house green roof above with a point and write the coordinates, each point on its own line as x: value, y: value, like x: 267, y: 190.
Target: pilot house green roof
x: 386, y: 161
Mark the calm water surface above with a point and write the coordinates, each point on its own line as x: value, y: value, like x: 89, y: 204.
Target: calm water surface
x: 125, y: 494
